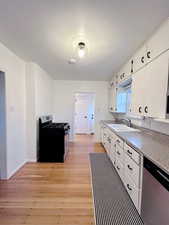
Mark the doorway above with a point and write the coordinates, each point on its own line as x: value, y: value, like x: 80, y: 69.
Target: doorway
x: 84, y: 113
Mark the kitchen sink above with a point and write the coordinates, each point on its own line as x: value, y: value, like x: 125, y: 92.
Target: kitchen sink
x: 122, y: 128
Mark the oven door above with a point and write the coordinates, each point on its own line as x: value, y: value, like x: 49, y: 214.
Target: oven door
x: 155, y: 195
x: 66, y: 143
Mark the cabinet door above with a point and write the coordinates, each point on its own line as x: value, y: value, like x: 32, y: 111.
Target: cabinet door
x: 156, y: 84
x: 138, y: 92
x: 112, y: 99
x: 102, y: 134
x: 125, y: 71
x: 159, y: 42
x: 140, y: 59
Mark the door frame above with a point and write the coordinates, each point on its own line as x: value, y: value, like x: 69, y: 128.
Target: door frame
x: 3, y: 145
x: 88, y: 93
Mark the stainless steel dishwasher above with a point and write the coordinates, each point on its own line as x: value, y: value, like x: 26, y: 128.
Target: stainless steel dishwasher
x: 155, y: 195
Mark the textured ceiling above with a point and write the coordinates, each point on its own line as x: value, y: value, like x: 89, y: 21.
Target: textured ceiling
x: 44, y: 31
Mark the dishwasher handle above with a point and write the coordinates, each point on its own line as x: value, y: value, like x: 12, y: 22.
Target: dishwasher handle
x: 158, y: 173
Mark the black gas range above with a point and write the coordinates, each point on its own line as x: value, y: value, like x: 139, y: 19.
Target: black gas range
x: 53, y: 140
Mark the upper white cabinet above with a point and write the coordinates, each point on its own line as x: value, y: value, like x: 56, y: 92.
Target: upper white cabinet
x: 138, y: 92
x: 149, y: 70
x: 159, y: 42
x: 149, y: 88
x: 125, y: 71
x: 156, y: 45
x: 112, y: 98
x: 140, y: 59
x: 156, y: 85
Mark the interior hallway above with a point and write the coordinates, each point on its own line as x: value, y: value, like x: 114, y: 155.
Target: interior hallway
x: 49, y: 193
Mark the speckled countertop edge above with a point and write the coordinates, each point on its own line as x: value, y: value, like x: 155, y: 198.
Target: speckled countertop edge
x: 159, y: 143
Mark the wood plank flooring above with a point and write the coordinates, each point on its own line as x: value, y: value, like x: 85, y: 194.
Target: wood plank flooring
x: 51, y: 193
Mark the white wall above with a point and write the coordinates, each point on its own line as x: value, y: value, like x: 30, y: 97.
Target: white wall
x: 39, y: 88
x: 64, y: 100
x: 14, y: 69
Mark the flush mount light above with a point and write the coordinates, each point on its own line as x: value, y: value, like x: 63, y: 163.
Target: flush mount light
x: 81, y: 49
x: 72, y: 61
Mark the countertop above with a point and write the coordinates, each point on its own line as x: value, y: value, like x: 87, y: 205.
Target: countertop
x: 153, y: 145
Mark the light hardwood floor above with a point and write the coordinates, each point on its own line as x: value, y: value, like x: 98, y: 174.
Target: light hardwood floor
x: 51, y: 193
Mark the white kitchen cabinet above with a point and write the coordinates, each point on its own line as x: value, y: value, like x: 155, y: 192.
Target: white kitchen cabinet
x: 120, y: 169
x: 138, y: 93
x: 133, y: 191
x: 106, y: 140
x: 112, y: 99
x: 140, y: 59
x: 158, y: 42
x: 149, y: 88
x: 102, y: 127
x: 132, y: 169
x: 132, y: 153
x: 156, y: 85
x: 119, y: 153
x: 128, y: 164
x: 125, y: 72
x: 113, y: 148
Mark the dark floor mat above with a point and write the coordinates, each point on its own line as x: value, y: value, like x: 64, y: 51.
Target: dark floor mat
x: 112, y: 204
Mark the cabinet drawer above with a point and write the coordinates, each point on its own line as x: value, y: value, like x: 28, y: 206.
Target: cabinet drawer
x: 120, y: 169
x: 132, y: 170
x: 132, y: 153
x: 113, y: 157
x: 120, y: 142
x: 133, y: 191
x: 119, y: 153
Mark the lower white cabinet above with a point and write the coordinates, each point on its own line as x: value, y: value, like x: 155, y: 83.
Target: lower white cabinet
x: 132, y: 169
x: 132, y: 190
x: 127, y: 162
x: 119, y: 152
x: 112, y: 153
x: 120, y: 169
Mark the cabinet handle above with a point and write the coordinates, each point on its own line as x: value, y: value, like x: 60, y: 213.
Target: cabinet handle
x: 118, y: 152
x: 118, y: 168
x: 139, y: 109
x: 148, y: 55
x: 142, y: 59
x: 129, y: 167
x: 132, y: 62
x: 128, y: 186
x: 128, y: 151
x: 146, y: 109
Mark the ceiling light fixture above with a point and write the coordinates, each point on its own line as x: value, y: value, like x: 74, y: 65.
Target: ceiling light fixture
x: 81, y: 49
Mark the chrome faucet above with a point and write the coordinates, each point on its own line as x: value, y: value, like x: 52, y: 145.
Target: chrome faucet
x: 127, y: 122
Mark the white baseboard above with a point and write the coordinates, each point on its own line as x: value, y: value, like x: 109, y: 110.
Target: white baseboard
x: 31, y: 160
x: 15, y: 170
